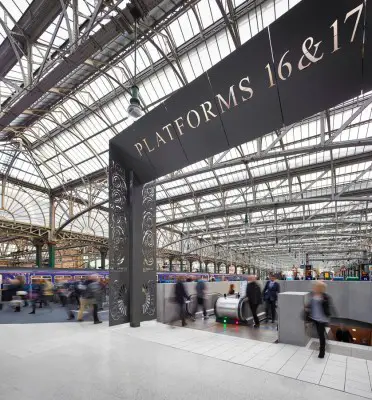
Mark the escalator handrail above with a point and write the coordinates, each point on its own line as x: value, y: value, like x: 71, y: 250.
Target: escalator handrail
x: 190, y: 313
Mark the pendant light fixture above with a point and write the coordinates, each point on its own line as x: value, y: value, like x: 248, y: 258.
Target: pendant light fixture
x: 135, y: 110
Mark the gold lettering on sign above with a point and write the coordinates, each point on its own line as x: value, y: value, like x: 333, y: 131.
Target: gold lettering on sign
x: 197, y: 118
x: 179, y: 125
x: 246, y: 89
x: 148, y: 148
x: 138, y: 146
x: 232, y: 97
x: 208, y: 111
x: 159, y: 139
x: 166, y: 127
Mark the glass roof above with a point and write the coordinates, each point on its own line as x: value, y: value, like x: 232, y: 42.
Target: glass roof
x: 306, y: 190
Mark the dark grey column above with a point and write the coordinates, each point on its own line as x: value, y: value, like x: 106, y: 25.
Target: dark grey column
x: 39, y: 249
x: 132, y: 248
x: 103, y: 253
x: 171, y: 264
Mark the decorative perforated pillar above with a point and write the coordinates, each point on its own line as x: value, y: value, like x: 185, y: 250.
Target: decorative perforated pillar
x: 142, y: 252
x: 118, y: 245
x: 132, y: 248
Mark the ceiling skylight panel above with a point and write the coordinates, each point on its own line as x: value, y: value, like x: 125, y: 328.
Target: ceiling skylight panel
x: 150, y: 91
x: 199, y: 177
x: 253, y: 22
x: 90, y: 166
x: 153, y: 52
x: 98, y: 142
x: 215, y: 11
x: 203, y: 53
x: 223, y: 44
x: 177, y: 191
x: 281, y: 7
x: 157, y: 86
x: 163, y: 77
x: 204, y: 184
x: 188, y: 68
x: 56, y: 166
x: 79, y: 153
x: 196, y: 62
x: 204, y: 13
x: 268, y: 13
x: 185, y: 24
x: 177, y: 32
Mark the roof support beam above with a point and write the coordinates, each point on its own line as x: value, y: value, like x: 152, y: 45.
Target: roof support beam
x: 92, y: 207
x: 266, y: 178
x: 32, y: 24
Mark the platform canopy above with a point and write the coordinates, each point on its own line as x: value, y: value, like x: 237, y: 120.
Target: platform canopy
x: 304, y: 188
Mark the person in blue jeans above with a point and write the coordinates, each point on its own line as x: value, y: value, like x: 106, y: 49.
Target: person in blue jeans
x: 270, y: 294
x: 319, y: 308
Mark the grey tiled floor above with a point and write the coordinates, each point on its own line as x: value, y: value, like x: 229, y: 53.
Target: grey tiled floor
x: 267, y: 333
x: 340, y: 372
x: 154, y: 362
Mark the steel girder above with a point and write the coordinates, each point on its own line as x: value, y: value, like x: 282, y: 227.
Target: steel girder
x: 31, y: 231
x: 68, y: 64
x: 355, y: 196
x: 316, y: 167
x: 39, y: 15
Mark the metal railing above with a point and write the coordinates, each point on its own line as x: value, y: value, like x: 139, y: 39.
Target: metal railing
x: 210, y: 300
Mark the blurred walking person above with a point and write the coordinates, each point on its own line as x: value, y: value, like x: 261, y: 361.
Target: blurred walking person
x: 271, y: 291
x: 200, y: 299
x: 231, y: 290
x: 319, y: 309
x: 70, y: 301
x: 181, y: 297
x: 47, y: 292
x: 35, y: 294
x: 90, y: 292
x: 254, y: 296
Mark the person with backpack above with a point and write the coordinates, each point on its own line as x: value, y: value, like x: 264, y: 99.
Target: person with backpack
x: 254, y: 296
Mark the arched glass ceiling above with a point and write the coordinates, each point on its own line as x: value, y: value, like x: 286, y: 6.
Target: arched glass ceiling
x: 303, y: 189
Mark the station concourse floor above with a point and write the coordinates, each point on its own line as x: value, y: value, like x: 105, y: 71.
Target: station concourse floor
x: 157, y: 362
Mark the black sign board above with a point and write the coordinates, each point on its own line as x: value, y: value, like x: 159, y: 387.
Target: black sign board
x: 367, y: 51
x: 308, y: 60
x: 317, y: 49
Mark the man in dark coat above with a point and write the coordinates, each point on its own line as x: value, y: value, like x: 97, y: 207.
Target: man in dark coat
x: 181, y: 297
x: 200, y: 298
x: 271, y: 291
x: 254, y: 296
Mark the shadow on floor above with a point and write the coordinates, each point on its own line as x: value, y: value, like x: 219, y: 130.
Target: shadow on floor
x: 266, y: 333
x: 44, y: 315
x: 344, y: 349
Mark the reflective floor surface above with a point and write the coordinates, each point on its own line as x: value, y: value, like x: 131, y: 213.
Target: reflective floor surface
x: 266, y: 333
x: 153, y: 362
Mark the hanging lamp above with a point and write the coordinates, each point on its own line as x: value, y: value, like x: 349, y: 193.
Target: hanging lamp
x: 135, y: 110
